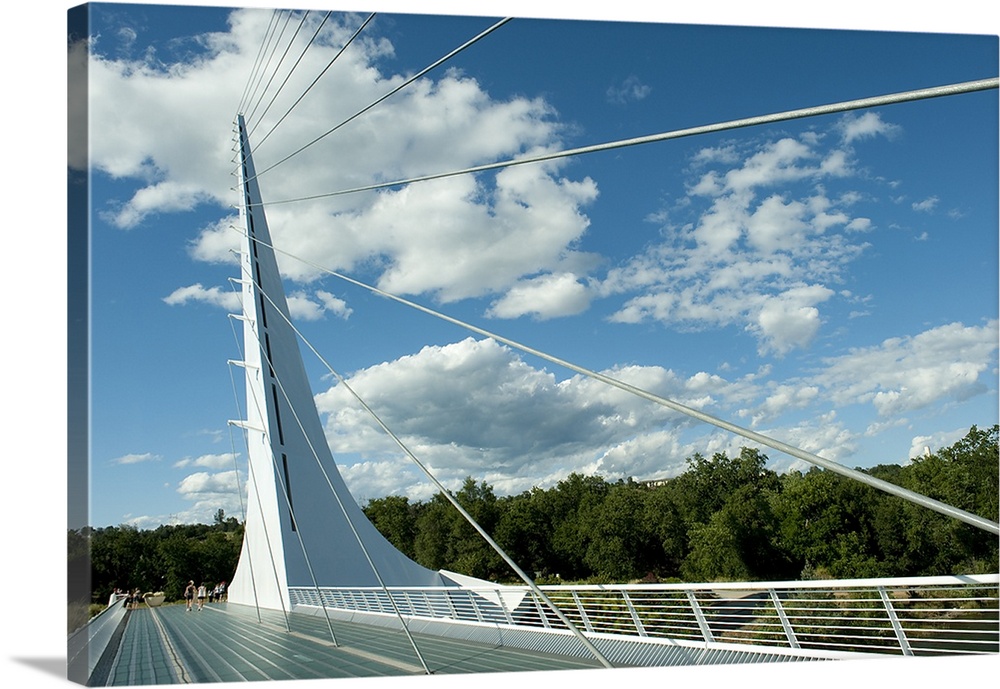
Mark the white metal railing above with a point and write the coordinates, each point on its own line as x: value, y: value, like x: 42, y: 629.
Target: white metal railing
x: 908, y: 616
x: 86, y: 646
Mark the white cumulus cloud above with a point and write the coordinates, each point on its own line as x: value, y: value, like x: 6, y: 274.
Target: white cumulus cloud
x: 213, y: 461
x: 544, y: 297
x: 136, y: 458
x: 791, y: 319
x: 865, y: 126
x: 907, y: 373
x: 216, y: 296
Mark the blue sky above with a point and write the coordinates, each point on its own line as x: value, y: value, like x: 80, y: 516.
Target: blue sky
x: 831, y: 282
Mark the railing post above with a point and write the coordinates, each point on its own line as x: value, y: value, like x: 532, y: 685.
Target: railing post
x: 451, y: 605
x: 506, y: 610
x: 635, y: 615
x: 541, y: 611
x: 474, y: 602
x: 706, y: 631
x: 904, y: 644
x: 785, y: 624
x: 583, y: 613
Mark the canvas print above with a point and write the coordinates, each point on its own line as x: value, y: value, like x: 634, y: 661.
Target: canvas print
x: 410, y: 344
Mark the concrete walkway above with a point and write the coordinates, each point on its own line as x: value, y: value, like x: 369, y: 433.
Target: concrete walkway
x: 228, y: 643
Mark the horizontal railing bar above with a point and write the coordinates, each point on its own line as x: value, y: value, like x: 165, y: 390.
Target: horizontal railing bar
x: 954, y: 582
x: 965, y: 640
x: 844, y: 617
x: 867, y: 647
x: 911, y: 606
x: 842, y: 641
x: 967, y: 619
x: 937, y: 614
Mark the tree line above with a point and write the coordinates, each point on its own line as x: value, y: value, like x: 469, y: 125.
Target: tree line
x: 723, y: 518
x: 162, y: 559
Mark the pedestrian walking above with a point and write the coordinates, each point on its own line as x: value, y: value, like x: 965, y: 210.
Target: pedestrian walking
x: 189, y: 594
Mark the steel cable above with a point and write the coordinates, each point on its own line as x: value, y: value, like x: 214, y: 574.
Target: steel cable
x: 310, y: 87
x: 253, y: 70
x: 277, y: 67
x: 391, y: 93
x: 844, y: 106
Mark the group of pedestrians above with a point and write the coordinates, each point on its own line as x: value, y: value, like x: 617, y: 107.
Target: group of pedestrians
x: 132, y: 599
x: 197, y: 595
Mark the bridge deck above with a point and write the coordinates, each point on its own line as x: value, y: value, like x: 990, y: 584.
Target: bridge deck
x: 228, y: 643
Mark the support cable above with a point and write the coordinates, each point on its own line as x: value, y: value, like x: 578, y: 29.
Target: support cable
x: 845, y: 106
x: 264, y: 67
x: 232, y: 444
x: 294, y: 66
x: 309, y: 88
x: 288, y: 47
x: 885, y: 486
x: 457, y: 505
x: 394, y: 91
x: 256, y: 63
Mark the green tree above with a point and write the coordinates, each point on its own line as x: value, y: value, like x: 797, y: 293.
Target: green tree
x: 180, y: 562
x: 469, y: 552
x: 915, y: 540
x: 446, y: 540
x: 114, y: 551
x: 396, y: 519
x: 572, y: 501
x: 740, y: 541
x: 972, y: 480
x: 667, y: 525
x: 715, y: 552
x: 524, y: 532
x: 621, y: 543
x: 433, y: 528
x: 817, y: 513
x: 216, y: 556
x: 705, y: 487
